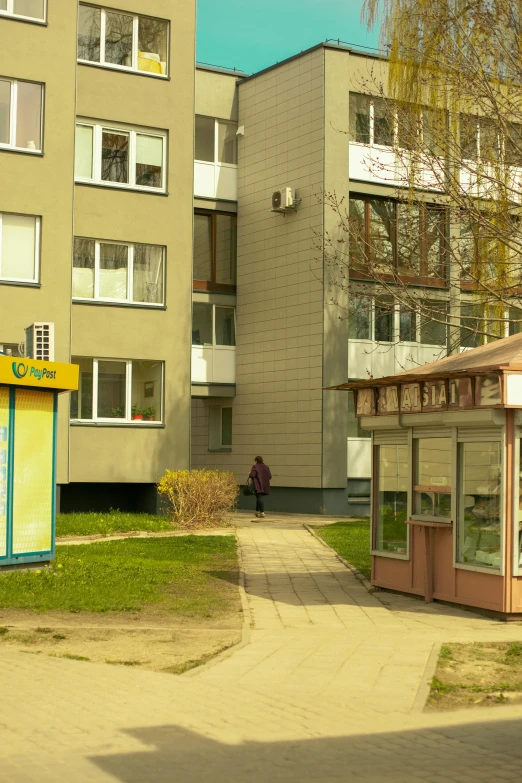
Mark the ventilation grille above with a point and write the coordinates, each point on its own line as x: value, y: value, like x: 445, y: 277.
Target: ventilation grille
x: 39, y: 342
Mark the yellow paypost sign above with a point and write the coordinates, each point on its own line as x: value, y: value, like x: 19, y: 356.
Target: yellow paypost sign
x: 39, y: 375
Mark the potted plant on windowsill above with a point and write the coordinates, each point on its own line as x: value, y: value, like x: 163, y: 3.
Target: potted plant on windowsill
x: 149, y: 413
x: 137, y: 415
x: 118, y: 412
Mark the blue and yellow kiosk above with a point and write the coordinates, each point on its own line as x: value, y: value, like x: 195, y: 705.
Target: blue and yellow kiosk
x: 28, y: 415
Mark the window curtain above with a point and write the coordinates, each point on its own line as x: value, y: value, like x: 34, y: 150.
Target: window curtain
x: 148, y: 274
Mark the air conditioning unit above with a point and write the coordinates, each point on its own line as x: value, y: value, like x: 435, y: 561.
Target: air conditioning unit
x: 39, y: 342
x: 283, y: 199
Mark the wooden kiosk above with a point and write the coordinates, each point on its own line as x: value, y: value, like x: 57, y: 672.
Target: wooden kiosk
x: 446, y: 477
x: 28, y: 413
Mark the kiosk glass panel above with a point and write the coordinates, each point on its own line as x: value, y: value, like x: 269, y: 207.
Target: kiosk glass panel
x: 391, y: 533
x: 432, y: 478
x: 479, y: 504
x: 4, y: 452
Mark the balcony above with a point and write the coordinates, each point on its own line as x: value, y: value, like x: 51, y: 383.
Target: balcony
x: 213, y: 350
x: 213, y: 364
x: 215, y: 180
x: 215, y: 165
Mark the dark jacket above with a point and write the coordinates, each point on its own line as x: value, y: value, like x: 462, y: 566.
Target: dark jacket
x: 261, y: 476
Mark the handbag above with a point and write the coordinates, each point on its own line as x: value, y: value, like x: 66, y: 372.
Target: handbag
x: 249, y: 487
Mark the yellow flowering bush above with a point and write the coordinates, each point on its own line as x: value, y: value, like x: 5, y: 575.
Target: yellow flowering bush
x: 198, y: 498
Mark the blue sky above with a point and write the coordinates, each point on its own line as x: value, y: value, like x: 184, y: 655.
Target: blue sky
x: 253, y: 34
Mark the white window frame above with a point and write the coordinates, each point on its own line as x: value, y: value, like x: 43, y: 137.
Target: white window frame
x: 217, y: 162
x: 23, y: 280
x: 131, y: 246
x: 13, y: 116
x: 36, y: 19
x: 134, y: 132
x: 135, y: 32
x: 127, y: 419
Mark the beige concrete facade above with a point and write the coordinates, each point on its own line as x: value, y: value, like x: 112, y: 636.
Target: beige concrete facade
x: 44, y: 185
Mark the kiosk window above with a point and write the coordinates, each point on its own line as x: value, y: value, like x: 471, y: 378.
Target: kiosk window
x: 479, y: 504
x: 432, y: 478
x: 391, y: 533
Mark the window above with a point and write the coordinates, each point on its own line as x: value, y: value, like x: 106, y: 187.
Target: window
x: 25, y: 9
x: 371, y: 120
x: 122, y: 40
x: 21, y: 114
x: 479, y: 481
x: 354, y: 424
x: 216, y: 141
x: 120, y: 157
x: 215, y: 250
x: 391, y: 532
x: 432, y: 479
x: 382, y: 320
x: 118, y: 272
x: 213, y: 325
x: 118, y: 391
x: 19, y: 248
x: 480, y: 139
x: 220, y: 428
x: 393, y: 238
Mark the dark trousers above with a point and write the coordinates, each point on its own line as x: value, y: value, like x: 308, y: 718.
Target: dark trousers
x: 260, y: 502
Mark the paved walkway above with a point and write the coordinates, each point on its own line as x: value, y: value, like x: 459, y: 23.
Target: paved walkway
x: 326, y: 690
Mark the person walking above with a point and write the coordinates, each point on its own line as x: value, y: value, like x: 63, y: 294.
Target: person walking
x: 260, y: 475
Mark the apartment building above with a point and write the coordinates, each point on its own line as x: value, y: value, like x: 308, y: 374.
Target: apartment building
x: 307, y: 124
x: 96, y: 147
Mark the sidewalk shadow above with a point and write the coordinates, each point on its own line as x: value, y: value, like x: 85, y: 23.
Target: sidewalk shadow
x: 468, y: 751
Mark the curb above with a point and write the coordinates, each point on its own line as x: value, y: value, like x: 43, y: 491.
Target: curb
x: 358, y: 575
x: 429, y: 672
x: 94, y: 539
x: 245, y: 629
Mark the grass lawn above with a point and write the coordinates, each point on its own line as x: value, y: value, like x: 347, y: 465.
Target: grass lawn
x: 351, y: 540
x: 478, y: 674
x: 109, y: 523
x: 192, y: 576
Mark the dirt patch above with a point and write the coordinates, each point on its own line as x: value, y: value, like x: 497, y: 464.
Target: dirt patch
x: 149, y: 639
x: 479, y: 674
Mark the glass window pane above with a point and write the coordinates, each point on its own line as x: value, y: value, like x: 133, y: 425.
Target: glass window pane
x: 83, y: 152
x: 225, y: 326
x: 382, y: 122
x: 514, y: 144
x: 205, y: 136
x: 384, y: 311
x: 227, y: 143
x: 515, y: 321
x: 408, y: 239
x: 148, y: 274
x: 434, y: 131
x: 226, y: 426
x: 5, y: 111
x: 489, y: 139
x: 226, y: 243
x: 29, y: 116
x: 83, y: 268
x: 18, y: 251
x: 115, y: 156
x: 354, y: 424
x: 149, y: 161
x: 382, y: 228
x: 472, y: 325
x: 359, y: 318
x: 33, y: 8
x: 114, y: 261
x: 357, y: 223
x: 118, y: 39
x: 391, y: 534
x: 111, y: 389
x: 407, y: 325
x: 479, y: 504
x: 202, y: 247
x: 432, y: 478
x: 89, y: 22
x: 360, y: 118
x: 3, y: 5
x: 81, y: 400
x: 152, y: 45
x: 434, y: 233
x: 468, y: 137
x: 408, y: 126
x: 147, y: 390
x: 202, y: 324
x: 433, y: 324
